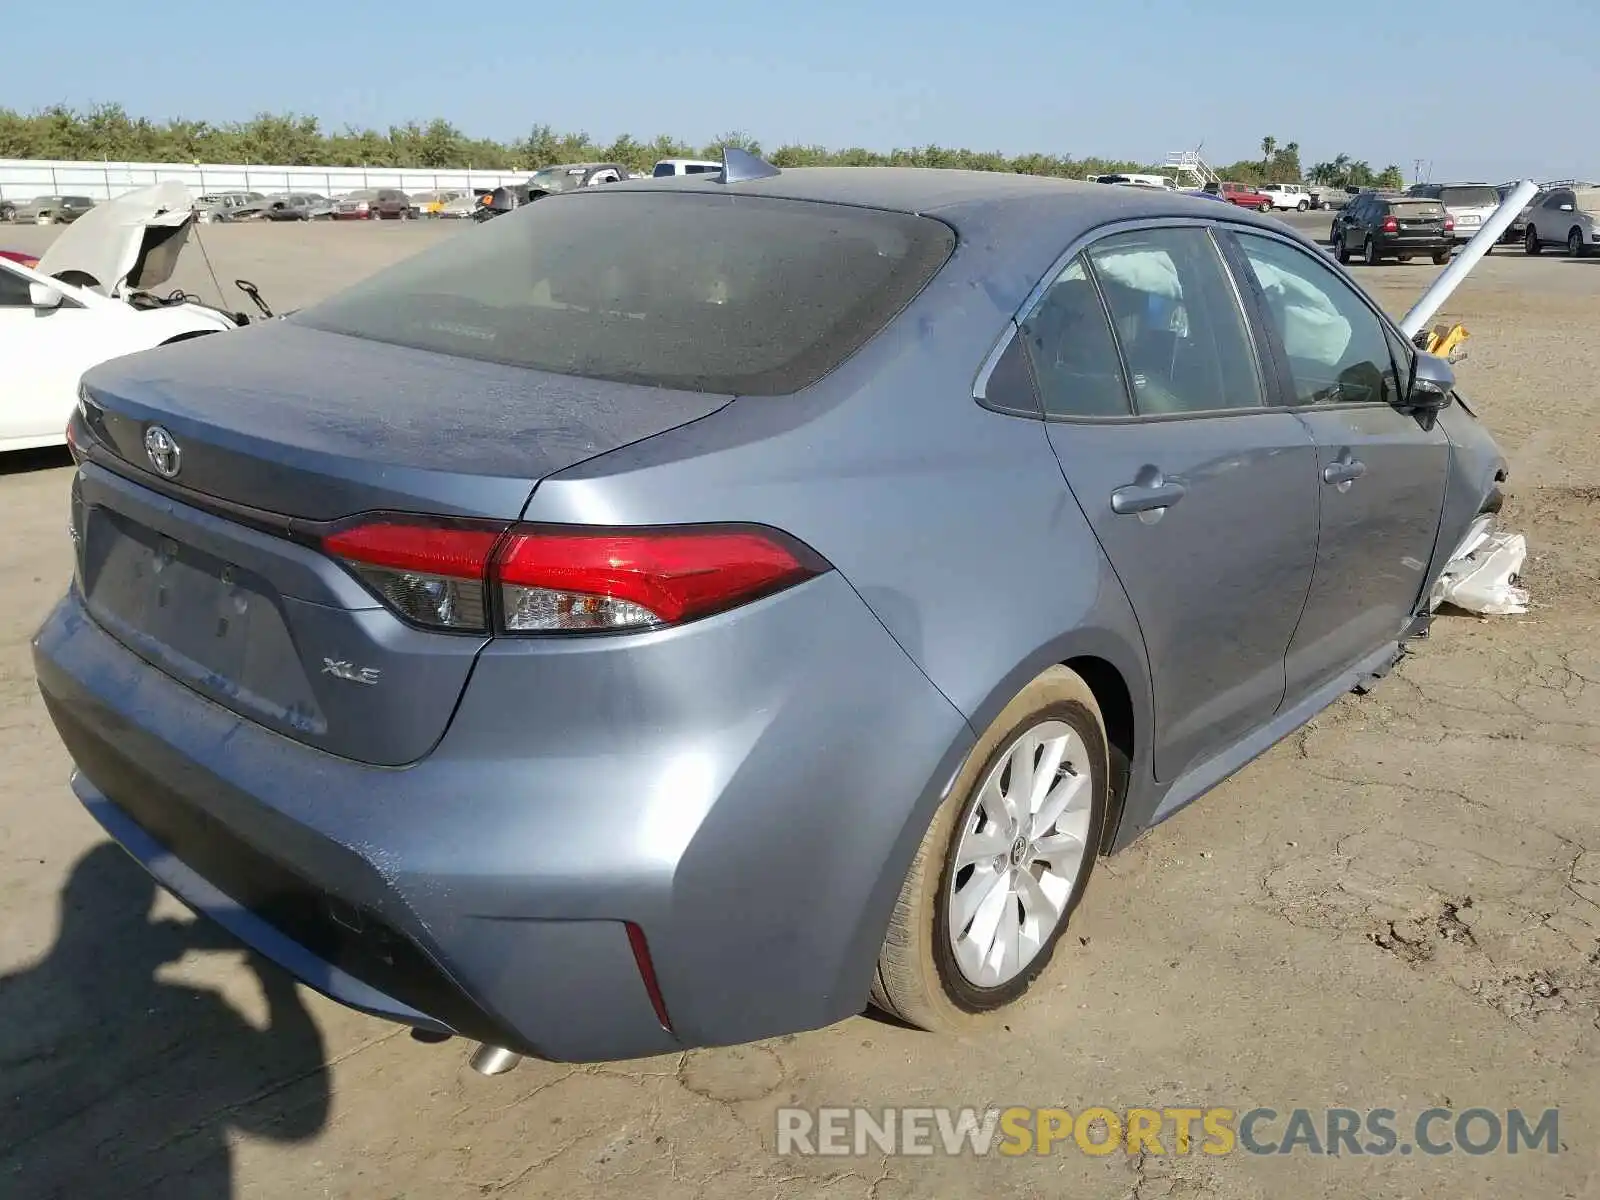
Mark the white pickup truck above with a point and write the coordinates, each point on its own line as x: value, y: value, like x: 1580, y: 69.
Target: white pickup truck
x: 1287, y: 196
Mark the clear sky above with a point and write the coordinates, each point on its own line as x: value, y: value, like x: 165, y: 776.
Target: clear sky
x: 1477, y: 89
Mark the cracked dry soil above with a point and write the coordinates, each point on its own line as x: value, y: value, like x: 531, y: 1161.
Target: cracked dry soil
x: 1399, y: 906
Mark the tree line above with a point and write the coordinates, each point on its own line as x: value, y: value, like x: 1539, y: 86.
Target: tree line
x: 108, y: 132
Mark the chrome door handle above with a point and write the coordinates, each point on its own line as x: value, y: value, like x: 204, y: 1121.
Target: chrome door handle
x: 1344, y: 472
x: 1136, y: 498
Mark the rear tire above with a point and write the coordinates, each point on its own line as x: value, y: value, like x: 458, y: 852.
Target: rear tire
x: 1440, y: 257
x: 1575, y: 246
x: 1531, y: 245
x: 1304, y: 205
x: 922, y: 978
x: 1264, y: 208
x: 1370, y: 255
x: 1340, y: 250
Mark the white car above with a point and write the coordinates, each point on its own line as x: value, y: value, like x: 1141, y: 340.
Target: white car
x: 84, y: 303
x: 1469, y: 204
x: 668, y: 167
x: 1564, y: 216
x: 1288, y: 196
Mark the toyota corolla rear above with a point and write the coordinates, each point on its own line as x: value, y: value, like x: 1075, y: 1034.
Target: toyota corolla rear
x: 325, y: 673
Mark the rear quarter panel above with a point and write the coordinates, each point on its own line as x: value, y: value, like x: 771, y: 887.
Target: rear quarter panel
x: 951, y: 522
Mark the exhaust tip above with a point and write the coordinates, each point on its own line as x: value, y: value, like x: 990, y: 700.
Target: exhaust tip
x: 493, y: 1060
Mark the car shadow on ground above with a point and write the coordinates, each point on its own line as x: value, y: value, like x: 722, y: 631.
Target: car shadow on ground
x: 119, y: 1083
x: 22, y: 462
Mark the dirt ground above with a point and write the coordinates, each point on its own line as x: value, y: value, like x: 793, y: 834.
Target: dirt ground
x: 1397, y: 907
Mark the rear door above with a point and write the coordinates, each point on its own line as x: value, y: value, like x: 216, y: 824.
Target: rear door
x: 1204, y: 500
x: 1381, y: 470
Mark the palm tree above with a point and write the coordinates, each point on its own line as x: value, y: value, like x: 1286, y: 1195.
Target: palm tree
x: 1268, y: 145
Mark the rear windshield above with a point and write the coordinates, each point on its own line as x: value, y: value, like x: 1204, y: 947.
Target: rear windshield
x: 1417, y: 208
x: 704, y: 292
x: 1470, y: 197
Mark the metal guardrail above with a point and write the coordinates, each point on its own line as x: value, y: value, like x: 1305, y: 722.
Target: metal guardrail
x: 23, y: 179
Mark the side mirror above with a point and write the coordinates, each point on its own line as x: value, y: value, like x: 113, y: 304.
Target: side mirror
x: 1566, y: 208
x: 43, y: 296
x: 1433, y: 383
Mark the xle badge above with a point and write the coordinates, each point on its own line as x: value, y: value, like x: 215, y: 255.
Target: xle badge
x: 340, y: 669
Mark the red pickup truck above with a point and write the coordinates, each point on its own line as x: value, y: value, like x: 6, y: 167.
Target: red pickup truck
x: 1246, y: 196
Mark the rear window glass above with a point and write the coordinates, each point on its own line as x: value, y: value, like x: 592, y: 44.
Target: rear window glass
x: 704, y: 292
x: 1417, y: 208
x: 1470, y: 197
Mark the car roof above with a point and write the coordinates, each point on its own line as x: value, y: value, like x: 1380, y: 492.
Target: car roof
x: 932, y: 190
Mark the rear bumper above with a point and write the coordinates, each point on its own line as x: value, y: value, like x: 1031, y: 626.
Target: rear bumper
x: 1414, y: 244
x: 754, y: 823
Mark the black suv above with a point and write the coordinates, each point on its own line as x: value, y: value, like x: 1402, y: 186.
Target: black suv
x: 1377, y: 227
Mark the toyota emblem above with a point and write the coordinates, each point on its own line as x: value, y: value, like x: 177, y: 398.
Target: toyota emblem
x: 162, y: 450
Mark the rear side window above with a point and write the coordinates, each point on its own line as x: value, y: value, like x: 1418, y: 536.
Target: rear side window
x: 705, y: 292
x: 662, y: 171
x: 1074, y: 358
x: 1183, y: 335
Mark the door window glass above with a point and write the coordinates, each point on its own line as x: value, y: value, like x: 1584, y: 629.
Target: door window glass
x: 1074, y: 357
x: 1338, y: 349
x: 1183, y: 336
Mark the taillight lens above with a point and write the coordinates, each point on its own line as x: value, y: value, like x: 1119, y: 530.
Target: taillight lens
x: 1449, y: 223
x: 431, y: 575
x: 570, y: 580
x: 1390, y: 225
x: 565, y: 579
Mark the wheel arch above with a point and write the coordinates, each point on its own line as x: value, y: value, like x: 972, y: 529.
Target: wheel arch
x: 1112, y: 694
x: 1116, y: 672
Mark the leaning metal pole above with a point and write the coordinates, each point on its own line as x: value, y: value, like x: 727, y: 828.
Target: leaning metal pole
x: 1433, y: 299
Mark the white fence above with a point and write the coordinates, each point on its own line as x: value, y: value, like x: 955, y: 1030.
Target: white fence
x: 25, y: 178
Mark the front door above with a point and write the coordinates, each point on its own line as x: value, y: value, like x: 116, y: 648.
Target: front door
x: 1381, y: 471
x: 1204, y: 503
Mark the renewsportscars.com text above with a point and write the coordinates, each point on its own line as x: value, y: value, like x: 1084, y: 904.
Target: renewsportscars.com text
x: 1016, y: 1131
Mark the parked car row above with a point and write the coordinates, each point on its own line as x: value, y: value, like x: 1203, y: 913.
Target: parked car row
x: 46, y: 210
x: 1433, y: 219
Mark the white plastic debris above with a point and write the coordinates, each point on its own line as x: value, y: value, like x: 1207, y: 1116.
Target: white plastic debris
x: 1482, y: 578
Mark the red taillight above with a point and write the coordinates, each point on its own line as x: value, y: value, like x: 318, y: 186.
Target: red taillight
x: 430, y: 574
x: 1390, y: 225
x: 564, y: 579
x: 572, y: 579
x: 1449, y: 223
x: 647, y: 972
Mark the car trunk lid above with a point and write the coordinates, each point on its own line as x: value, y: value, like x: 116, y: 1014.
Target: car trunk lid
x: 314, y: 425
x: 215, y: 575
